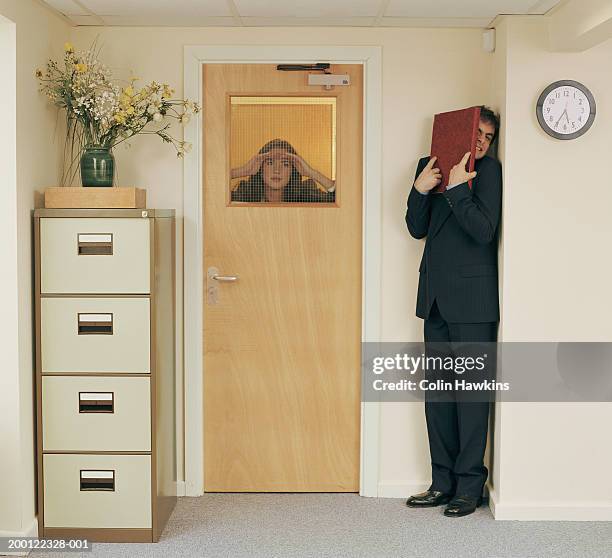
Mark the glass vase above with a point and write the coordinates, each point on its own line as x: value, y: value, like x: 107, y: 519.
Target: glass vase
x: 97, y: 166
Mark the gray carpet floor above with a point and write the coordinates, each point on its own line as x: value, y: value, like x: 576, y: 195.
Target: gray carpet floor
x: 345, y: 525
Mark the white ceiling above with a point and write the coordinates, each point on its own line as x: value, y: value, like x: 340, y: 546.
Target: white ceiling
x: 362, y: 13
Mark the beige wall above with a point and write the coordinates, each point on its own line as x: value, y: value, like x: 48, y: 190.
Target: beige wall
x: 553, y: 460
x: 414, y: 87
x: 39, y: 34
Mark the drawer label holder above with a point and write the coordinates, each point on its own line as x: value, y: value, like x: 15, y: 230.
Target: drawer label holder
x: 95, y: 324
x: 95, y: 244
x: 96, y: 402
x: 102, y: 481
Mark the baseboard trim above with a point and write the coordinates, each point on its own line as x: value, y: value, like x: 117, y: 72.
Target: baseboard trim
x: 548, y: 511
x: 403, y: 490
x: 31, y: 531
x: 408, y: 488
x: 515, y: 511
x: 193, y: 489
x: 181, y: 489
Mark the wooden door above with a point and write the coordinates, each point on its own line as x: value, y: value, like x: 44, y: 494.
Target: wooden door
x: 282, y: 342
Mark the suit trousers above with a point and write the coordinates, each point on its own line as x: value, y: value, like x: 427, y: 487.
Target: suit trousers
x: 457, y: 429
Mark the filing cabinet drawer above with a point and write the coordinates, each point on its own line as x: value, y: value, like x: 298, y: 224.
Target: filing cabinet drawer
x: 94, y: 255
x: 95, y: 335
x: 97, y: 491
x: 96, y: 413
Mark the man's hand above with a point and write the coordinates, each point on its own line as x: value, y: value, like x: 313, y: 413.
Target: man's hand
x: 458, y: 174
x: 429, y: 177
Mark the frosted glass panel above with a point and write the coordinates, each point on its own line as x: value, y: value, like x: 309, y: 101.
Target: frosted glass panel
x: 282, y: 150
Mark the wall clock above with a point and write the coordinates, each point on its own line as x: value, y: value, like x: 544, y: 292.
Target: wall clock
x: 565, y: 109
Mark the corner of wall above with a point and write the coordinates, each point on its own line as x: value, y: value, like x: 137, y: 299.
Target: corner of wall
x: 36, y: 30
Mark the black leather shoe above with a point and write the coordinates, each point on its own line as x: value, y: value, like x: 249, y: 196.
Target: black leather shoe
x: 428, y: 499
x: 462, y: 505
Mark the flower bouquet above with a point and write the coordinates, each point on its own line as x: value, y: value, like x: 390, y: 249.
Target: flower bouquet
x: 101, y: 114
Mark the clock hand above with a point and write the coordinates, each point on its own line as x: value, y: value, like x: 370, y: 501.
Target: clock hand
x: 564, y: 112
x: 560, y: 117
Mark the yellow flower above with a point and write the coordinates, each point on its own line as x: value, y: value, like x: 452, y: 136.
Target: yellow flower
x: 120, y: 118
x: 129, y: 90
x: 168, y: 91
x: 130, y: 110
x: 68, y: 47
x: 81, y: 67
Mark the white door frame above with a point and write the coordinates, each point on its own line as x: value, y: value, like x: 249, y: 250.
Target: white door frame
x: 193, y: 212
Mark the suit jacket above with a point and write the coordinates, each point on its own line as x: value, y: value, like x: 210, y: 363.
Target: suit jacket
x: 459, y: 263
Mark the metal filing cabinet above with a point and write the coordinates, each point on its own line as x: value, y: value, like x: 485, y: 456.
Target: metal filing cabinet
x: 105, y: 373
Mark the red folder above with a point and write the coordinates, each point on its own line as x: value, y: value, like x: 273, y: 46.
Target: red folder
x: 454, y: 134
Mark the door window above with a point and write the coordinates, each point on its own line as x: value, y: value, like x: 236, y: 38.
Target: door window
x: 282, y: 150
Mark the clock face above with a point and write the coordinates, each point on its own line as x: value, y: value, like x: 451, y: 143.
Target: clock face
x: 566, y: 109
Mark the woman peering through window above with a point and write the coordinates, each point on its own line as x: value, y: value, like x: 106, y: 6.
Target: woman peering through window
x: 278, y: 174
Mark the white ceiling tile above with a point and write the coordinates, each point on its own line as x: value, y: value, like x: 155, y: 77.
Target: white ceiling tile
x: 176, y: 20
x: 307, y: 22
x: 187, y: 9
x: 85, y: 20
x: 453, y: 8
x: 67, y: 7
x: 451, y: 22
x: 308, y: 8
x: 362, y: 13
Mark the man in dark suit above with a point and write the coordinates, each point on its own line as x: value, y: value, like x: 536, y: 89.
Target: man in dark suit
x: 458, y: 299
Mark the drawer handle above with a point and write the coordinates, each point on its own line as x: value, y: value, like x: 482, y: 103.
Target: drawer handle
x: 97, y: 480
x: 96, y: 402
x: 90, y: 244
x: 95, y: 324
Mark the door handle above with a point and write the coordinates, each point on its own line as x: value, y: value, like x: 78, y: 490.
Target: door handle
x: 213, y: 278
x: 227, y: 278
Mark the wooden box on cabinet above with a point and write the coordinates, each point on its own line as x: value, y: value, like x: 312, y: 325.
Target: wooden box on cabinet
x: 105, y: 373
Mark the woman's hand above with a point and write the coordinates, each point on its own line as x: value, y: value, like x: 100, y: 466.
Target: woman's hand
x: 428, y: 178
x: 250, y: 168
x: 458, y: 174
x: 300, y: 165
x: 306, y: 170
